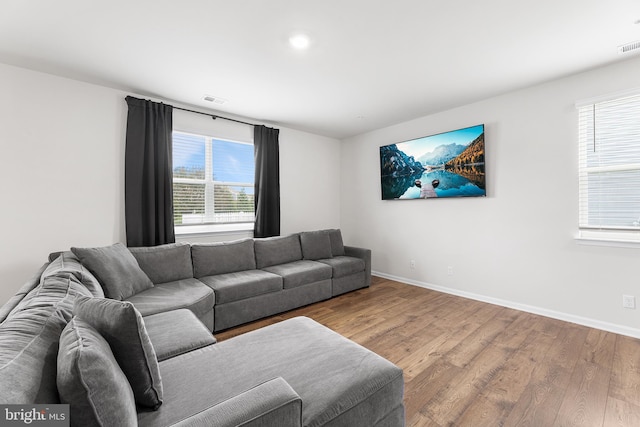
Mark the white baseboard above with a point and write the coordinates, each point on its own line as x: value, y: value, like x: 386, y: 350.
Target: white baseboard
x: 592, y: 323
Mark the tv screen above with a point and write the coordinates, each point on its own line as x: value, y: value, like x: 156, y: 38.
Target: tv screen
x: 449, y: 164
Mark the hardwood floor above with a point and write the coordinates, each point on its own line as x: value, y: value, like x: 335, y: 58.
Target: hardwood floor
x: 468, y: 363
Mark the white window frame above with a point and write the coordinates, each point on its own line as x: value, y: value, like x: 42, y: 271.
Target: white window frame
x: 208, y: 181
x: 601, y: 235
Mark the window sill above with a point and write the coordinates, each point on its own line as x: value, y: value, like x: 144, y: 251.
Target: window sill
x: 617, y: 239
x: 209, y: 229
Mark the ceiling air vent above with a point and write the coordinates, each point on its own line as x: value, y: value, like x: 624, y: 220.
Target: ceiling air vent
x: 626, y: 48
x: 214, y: 99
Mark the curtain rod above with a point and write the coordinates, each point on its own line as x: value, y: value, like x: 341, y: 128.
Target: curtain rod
x: 214, y: 116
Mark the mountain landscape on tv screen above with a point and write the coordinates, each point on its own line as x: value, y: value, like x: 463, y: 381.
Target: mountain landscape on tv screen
x: 451, y: 169
x: 442, y: 154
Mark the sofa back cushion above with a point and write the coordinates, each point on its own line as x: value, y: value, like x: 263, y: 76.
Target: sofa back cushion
x: 224, y: 257
x: 29, y: 341
x: 67, y: 263
x: 165, y: 263
x: 337, y: 247
x: 91, y: 381
x: 17, y: 298
x: 277, y: 250
x: 121, y: 325
x: 116, y: 269
x: 315, y: 244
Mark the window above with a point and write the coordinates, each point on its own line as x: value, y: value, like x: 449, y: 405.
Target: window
x: 609, y: 168
x: 212, y: 180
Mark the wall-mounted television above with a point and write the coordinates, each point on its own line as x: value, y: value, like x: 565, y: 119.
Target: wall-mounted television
x: 449, y: 164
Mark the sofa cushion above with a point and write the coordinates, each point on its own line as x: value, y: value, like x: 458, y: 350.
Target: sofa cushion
x: 67, y: 263
x: 17, y: 298
x: 243, y: 284
x: 223, y: 257
x: 333, y: 376
x: 29, y: 341
x: 54, y: 291
x: 28, y: 351
x: 315, y: 244
x: 90, y: 380
x: 165, y: 263
x: 122, y: 326
x: 277, y: 250
x: 271, y: 403
x: 299, y: 273
x: 176, y: 332
x: 116, y: 269
x: 187, y: 293
x: 344, y: 265
x: 337, y: 247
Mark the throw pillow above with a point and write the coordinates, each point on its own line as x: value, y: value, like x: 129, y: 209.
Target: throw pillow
x: 90, y: 380
x: 315, y: 245
x: 122, y: 326
x: 116, y: 269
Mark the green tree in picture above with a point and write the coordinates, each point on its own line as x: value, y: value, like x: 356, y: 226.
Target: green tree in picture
x: 245, y: 202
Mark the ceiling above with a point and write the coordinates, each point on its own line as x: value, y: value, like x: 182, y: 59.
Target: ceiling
x: 370, y: 64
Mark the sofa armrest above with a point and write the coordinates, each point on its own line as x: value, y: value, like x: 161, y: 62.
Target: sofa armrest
x: 363, y: 254
x: 272, y: 403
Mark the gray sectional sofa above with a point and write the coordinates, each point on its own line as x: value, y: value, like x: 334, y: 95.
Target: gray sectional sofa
x: 227, y: 284
x: 124, y: 336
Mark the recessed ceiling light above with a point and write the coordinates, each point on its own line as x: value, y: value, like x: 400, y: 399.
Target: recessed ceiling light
x: 300, y: 41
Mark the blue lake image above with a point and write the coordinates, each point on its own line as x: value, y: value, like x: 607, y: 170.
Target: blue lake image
x: 468, y: 183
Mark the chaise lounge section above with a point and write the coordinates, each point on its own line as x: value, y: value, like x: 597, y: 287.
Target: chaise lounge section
x: 296, y: 372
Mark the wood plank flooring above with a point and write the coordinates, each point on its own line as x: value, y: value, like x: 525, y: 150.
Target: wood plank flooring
x: 468, y: 363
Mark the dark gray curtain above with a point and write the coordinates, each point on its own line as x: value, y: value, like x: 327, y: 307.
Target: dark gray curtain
x: 148, y: 173
x: 267, y: 183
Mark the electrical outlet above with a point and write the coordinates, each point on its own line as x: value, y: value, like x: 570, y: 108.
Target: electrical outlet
x: 629, y: 301
x: 449, y: 271
x: 412, y: 264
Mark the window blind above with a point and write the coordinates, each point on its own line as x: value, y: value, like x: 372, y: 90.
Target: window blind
x: 212, y: 180
x: 609, y: 164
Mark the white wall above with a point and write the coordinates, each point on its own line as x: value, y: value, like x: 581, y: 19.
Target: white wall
x: 61, y: 176
x: 516, y: 246
x: 309, y: 181
x: 62, y: 173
